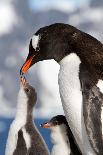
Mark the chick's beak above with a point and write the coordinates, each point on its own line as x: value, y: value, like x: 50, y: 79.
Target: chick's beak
x: 46, y: 125
x: 23, y: 82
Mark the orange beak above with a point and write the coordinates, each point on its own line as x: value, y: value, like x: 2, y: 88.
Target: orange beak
x: 46, y: 125
x: 26, y: 65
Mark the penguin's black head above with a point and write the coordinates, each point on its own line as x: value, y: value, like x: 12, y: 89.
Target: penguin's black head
x: 50, y: 42
x: 55, y: 121
x: 29, y: 91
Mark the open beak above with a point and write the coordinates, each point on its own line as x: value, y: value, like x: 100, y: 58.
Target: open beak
x: 23, y: 82
x: 26, y: 66
x: 46, y: 125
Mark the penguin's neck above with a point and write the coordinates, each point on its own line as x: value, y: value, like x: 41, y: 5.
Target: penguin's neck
x: 60, y: 141
x: 22, y: 108
x: 30, y: 116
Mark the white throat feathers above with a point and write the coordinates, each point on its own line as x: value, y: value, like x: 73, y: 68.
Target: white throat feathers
x: 61, y: 145
x: 21, y: 107
x: 18, y: 123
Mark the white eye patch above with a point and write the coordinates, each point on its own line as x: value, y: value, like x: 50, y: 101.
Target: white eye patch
x: 35, y: 41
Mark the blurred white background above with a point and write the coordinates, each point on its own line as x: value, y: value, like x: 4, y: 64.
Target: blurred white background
x: 19, y: 20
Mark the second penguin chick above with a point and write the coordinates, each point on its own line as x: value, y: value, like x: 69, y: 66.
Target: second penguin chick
x: 62, y: 137
x: 23, y: 137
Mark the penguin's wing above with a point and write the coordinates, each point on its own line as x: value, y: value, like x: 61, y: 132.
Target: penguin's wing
x: 92, y: 112
x: 74, y: 148
x: 21, y: 145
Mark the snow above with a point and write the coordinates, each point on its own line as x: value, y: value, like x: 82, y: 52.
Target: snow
x: 8, y: 17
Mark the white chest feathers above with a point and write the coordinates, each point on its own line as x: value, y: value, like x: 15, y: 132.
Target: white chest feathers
x: 61, y: 145
x: 17, y: 124
x: 71, y: 97
x: 70, y: 92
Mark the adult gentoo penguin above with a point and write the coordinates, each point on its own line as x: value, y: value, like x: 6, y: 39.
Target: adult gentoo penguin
x: 61, y: 137
x: 23, y: 137
x: 80, y: 79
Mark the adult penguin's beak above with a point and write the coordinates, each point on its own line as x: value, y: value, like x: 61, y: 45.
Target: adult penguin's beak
x: 28, y: 63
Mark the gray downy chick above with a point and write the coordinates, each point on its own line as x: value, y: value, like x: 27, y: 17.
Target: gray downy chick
x: 24, y: 138
x: 61, y: 137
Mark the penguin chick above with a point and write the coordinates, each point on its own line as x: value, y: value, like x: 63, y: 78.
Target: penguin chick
x: 24, y: 138
x: 61, y: 137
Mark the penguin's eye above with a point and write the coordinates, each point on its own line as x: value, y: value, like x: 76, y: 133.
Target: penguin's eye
x: 27, y: 90
x: 56, y: 122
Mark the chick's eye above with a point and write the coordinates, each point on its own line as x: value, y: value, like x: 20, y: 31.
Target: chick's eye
x: 56, y: 122
x: 27, y: 90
